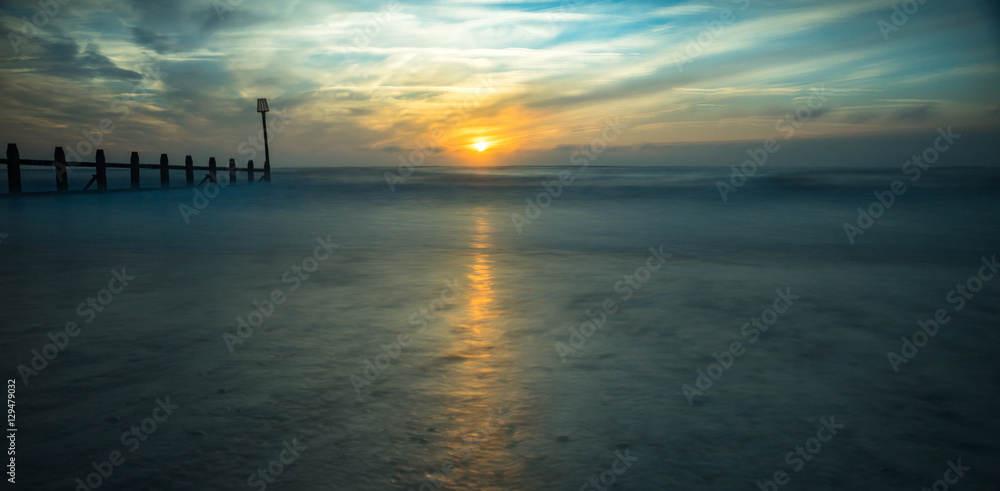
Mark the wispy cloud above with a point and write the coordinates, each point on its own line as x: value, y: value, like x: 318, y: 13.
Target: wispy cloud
x: 376, y: 75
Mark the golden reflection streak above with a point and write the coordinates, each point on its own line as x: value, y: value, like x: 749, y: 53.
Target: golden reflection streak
x: 481, y: 278
x: 483, y: 374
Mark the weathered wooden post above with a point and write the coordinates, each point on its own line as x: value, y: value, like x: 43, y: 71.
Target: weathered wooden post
x: 250, y: 171
x: 232, y: 171
x: 263, y: 109
x: 164, y: 171
x: 212, y: 166
x: 189, y: 170
x: 102, y: 171
x: 59, y: 161
x: 13, y: 169
x: 134, y: 170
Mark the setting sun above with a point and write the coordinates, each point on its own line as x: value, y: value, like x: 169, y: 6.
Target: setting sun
x: 482, y: 146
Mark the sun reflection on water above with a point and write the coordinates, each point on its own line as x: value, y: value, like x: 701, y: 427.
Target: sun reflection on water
x: 481, y: 378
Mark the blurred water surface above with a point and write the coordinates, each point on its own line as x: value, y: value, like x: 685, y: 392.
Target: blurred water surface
x: 479, y: 397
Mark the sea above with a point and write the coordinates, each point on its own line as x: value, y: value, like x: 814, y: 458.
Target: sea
x: 504, y: 328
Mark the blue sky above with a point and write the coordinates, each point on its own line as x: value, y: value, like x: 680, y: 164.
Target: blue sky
x: 364, y: 83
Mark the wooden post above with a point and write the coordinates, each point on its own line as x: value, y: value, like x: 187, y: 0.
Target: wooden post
x: 189, y: 170
x: 62, y: 178
x: 267, y: 152
x: 102, y: 171
x: 164, y: 171
x: 250, y: 171
x: 134, y: 170
x: 211, y: 168
x: 13, y: 168
x: 232, y: 171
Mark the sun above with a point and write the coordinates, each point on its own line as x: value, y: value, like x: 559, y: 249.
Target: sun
x: 482, y: 146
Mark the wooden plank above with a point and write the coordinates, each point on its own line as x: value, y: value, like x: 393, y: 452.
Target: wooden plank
x: 189, y: 170
x: 14, y: 163
x: 102, y: 171
x: 114, y: 165
x: 134, y: 174
x: 13, y: 169
x: 62, y: 177
x: 164, y: 171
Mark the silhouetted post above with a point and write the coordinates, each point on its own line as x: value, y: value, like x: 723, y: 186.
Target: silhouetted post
x: 164, y: 171
x: 232, y: 171
x: 262, y: 109
x: 13, y: 169
x: 189, y: 170
x: 250, y: 171
x: 102, y: 171
x: 59, y: 161
x: 134, y: 170
x: 212, y: 166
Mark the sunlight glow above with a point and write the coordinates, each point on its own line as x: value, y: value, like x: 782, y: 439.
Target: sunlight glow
x: 482, y: 146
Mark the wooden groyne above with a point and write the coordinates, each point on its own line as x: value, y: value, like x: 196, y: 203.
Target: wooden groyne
x: 14, y: 162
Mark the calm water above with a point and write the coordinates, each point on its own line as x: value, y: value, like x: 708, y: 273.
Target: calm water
x: 479, y: 397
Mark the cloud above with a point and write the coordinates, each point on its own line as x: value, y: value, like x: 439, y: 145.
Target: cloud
x: 915, y: 113
x: 860, y: 117
x: 682, y: 10
x: 61, y: 56
x: 377, y: 75
x: 156, y: 42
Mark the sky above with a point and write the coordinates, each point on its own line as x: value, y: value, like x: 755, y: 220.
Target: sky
x: 844, y: 83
